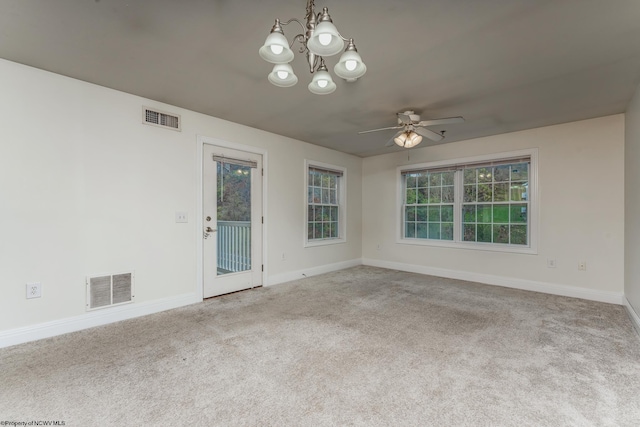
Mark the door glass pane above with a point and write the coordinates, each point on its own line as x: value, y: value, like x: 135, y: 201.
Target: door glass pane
x: 234, y: 218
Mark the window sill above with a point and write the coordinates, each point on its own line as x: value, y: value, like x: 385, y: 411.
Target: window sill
x: 323, y: 242
x: 492, y: 247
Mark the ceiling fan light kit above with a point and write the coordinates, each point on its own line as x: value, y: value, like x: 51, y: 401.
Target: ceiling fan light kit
x: 319, y: 39
x: 414, y: 129
x: 407, y: 139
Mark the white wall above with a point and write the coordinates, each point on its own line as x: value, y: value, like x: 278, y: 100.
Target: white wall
x: 632, y: 204
x: 86, y: 188
x: 581, y: 200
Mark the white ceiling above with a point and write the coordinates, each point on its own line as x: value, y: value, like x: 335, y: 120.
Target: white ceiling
x: 504, y: 65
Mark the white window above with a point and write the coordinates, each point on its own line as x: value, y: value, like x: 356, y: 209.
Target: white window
x: 428, y: 204
x: 325, y: 204
x: 481, y: 203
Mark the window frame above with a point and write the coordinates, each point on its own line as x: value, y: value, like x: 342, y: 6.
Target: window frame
x: 457, y: 242
x: 341, y: 202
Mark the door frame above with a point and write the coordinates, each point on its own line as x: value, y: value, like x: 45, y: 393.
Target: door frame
x: 201, y: 141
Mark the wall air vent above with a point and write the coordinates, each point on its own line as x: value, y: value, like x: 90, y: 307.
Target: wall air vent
x: 109, y: 290
x: 155, y: 117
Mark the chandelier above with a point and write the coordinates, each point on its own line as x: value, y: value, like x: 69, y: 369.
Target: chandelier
x: 319, y: 39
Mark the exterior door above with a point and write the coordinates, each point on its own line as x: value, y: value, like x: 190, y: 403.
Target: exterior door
x: 232, y: 220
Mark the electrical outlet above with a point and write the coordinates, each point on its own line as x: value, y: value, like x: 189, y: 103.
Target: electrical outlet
x: 182, y: 217
x: 582, y: 265
x: 34, y: 290
x: 551, y: 263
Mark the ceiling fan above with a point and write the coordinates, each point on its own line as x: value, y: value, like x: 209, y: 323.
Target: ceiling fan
x: 413, y: 129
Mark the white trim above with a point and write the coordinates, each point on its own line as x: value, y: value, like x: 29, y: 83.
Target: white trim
x: 635, y: 320
x: 199, y: 290
x: 479, y: 246
x: 201, y: 140
x: 313, y: 271
x: 92, y: 319
x: 322, y: 242
x: 507, y: 282
x: 534, y: 197
x: 342, y: 205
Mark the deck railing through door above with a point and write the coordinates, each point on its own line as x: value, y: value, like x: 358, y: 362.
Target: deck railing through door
x: 234, y: 246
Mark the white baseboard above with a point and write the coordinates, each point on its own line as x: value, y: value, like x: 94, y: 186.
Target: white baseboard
x: 93, y: 318
x: 635, y: 320
x: 313, y: 271
x: 507, y: 282
x: 115, y: 314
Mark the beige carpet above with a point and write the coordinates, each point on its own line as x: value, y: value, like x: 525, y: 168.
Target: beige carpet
x: 363, y: 346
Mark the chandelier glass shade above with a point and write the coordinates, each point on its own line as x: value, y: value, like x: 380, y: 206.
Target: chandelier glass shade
x: 319, y: 39
x: 350, y: 66
x: 282, y: 76
x: 276, y: 49
x: 322, y: 83
x: 408, y: 139
x: 326, y: 40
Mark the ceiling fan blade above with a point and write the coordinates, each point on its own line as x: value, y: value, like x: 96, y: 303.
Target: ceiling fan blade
x: 376, y: 130
x: 444, y: 121
x: 391, y: 142
x: 428, y: 133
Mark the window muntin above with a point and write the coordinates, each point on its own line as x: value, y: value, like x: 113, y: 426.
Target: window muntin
x: 323, y: 204
x: 492, y: 206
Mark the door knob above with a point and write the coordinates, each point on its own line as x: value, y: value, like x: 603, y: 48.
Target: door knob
x: 210, y: 230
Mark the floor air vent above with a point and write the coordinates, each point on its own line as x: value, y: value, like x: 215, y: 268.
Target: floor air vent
x: 109, y: 290
x: 152, y: 116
